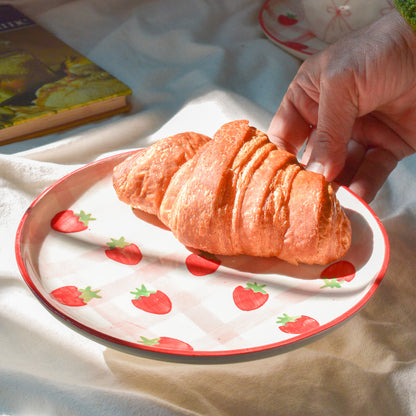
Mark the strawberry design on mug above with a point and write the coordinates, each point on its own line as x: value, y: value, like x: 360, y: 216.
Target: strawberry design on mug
x: 287, y: 19
x: 72, y: 296
x: 67, y: 221
x: 152, y: 301
x: 296, y: 45
x: 123, y: 252
x: 250, y: 297
x: 166, y: 342
x: 296, y: 324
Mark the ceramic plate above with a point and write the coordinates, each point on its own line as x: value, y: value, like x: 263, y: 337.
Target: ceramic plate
x: 120, y: 277
x: 284, y: 23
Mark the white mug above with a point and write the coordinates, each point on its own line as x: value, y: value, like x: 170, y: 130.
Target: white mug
x: 331, y: 19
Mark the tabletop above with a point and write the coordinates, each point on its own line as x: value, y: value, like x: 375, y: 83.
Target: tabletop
x: 191, y: 67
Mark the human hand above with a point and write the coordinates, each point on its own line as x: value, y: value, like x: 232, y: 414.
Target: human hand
x: 354, y: 104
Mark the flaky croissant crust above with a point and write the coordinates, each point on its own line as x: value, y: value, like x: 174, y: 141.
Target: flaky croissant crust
x: 236, y: 194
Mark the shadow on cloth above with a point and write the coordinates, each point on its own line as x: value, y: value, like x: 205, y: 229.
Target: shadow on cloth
x: 353, y: 370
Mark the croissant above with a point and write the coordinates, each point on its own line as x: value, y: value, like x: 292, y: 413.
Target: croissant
x: 236, y: 194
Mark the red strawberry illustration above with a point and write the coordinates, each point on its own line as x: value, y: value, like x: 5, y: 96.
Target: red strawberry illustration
x: 296, y: 45
x: 337, y: 273
x: 250, y: 297
x: 202, y: 264
x: 152, y: 301
x: 123, y: 252
x: 72, y: 296
x: 296, y: 324
x: 287, y: 19
x: 69, y: 222
x: 341, y: 270
x: 166, y: 342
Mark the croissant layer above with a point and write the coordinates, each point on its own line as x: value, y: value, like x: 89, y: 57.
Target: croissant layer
x: 236, y: 194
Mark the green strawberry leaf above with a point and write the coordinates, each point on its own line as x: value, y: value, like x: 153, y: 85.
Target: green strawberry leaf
x: 149, y: 342
x: 120, y: 243
x: 84, y: 218
x: 206, y: 255
x: 256, y: 288
x: 331, y: 283
x: 138, y: 293
x: 285, y: 319
x: 87, y: 294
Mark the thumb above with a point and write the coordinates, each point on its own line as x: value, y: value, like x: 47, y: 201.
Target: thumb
x: 327, y: 145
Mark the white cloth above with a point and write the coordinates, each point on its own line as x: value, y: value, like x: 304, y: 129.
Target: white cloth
x: 192, y: 65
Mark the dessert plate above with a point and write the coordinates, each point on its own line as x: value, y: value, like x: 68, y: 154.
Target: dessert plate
x: 125, y: 281
x: 284, y: 23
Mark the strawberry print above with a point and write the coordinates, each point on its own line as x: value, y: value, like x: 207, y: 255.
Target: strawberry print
x: 250, y: 297
x: 296, y: 324
x: 287, y: 19
x: 166, y: 342
x: 296, y: 45
x: 337, y: 273
x: 202, y: 264
x: 152, y: 301
x: 123, y: 252
x: 69, y: 222
x: 72, y: 296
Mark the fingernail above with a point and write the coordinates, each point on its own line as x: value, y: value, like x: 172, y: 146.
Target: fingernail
x: 316, y: 167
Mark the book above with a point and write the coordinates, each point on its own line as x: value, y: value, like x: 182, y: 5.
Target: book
x: 45, y: 85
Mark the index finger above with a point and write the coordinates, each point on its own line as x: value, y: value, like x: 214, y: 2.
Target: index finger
x: 291, y: 125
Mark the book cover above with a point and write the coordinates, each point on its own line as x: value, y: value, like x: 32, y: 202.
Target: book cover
x: 45, y: 84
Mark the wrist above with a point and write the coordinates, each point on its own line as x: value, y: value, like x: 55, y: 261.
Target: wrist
x: 407, y: 9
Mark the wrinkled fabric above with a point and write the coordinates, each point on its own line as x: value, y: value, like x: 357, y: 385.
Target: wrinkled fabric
x: 193, y: 65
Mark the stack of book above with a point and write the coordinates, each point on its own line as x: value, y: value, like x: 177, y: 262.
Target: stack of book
x: 46, y: 85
